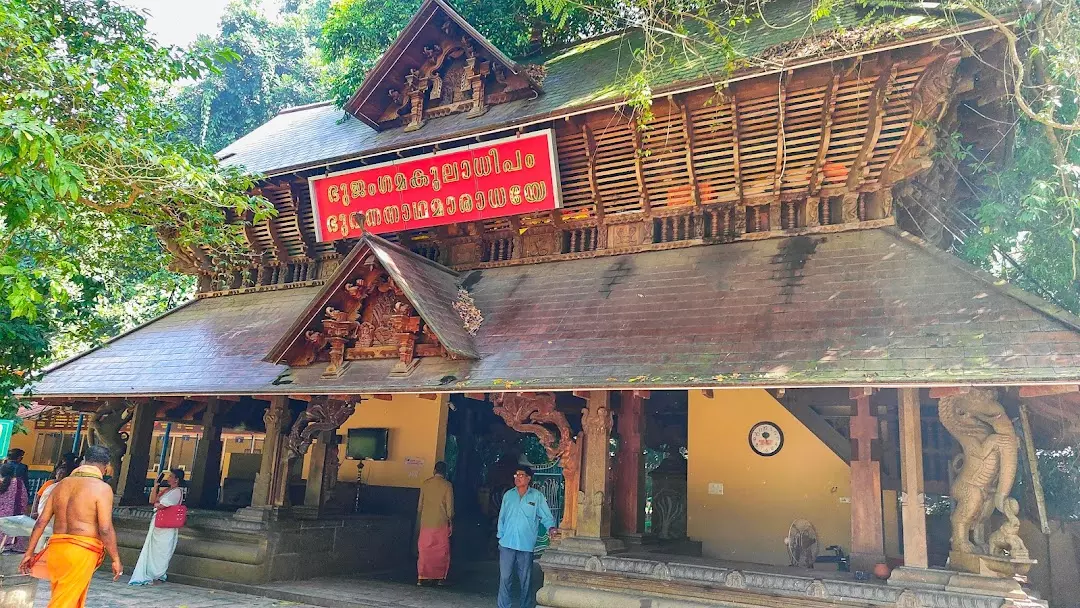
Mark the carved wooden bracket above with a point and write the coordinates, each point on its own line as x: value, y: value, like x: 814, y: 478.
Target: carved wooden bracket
x: 929, y: 101
x: 372, y: 320
x: 322, y: 414
x: 456, y: 75
x: 529, y: 413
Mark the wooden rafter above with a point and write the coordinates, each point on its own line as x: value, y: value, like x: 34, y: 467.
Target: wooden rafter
x: 1045, y: 391
x: 875, y: 118
x: 828, y: 105
x: 639, y: 166
x: 740, y: 203
x: 281, y: 252
x: 736, y: 161
x: 688, y: 133
x: 306, y: 243
x: 205, y: 263
x: 781, y: 143
x: 249, y: 234
x: 590, y: 154
x: 196, y: 409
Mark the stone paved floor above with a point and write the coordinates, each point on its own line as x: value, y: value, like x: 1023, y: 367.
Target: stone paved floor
x: 106, y: 594
x: 474, y: 588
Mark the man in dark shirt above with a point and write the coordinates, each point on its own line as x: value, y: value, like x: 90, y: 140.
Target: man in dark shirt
x: 15, y: 457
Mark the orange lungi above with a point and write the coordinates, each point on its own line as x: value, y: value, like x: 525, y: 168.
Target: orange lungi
x: 434, y: 550
x: 71, y: 561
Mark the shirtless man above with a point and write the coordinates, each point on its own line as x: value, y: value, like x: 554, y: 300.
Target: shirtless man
x: 82, y: 506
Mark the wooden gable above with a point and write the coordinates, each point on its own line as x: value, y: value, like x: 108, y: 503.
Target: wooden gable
x: 439, y: 65
x: 383, y: 302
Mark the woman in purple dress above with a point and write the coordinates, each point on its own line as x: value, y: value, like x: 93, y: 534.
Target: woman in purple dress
x: 13, y: 501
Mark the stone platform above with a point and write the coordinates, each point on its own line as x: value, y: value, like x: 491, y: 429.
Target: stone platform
x: 631, y: 580
x: 243, y: 549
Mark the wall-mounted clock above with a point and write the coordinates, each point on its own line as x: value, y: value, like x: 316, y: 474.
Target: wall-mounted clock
x: 766, y: 439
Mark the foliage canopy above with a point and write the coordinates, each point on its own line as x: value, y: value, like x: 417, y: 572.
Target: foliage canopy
x: 275, y: 65
x: 90, y: 177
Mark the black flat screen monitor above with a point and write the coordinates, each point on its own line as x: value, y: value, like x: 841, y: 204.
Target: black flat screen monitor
x: 368, y: 444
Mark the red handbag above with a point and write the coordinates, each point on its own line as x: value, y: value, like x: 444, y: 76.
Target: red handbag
x: 171, y: 517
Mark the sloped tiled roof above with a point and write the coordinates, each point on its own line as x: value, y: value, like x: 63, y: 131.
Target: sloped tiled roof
x: 589, y: 74
x: 432, y: 288
x: 213, y: 345
x: 855, y: 308
x: 429, y: 287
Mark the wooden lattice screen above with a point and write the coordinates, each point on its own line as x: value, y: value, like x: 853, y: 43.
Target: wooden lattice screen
x: 770, y: 154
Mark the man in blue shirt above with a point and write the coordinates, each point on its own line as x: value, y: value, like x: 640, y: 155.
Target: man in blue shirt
x: 523, y: 509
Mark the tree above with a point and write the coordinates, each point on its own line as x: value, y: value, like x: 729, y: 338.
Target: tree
x: 358, y: 31
x: 276, y: 65
x: 1026, y: 215
x: 89, y: 177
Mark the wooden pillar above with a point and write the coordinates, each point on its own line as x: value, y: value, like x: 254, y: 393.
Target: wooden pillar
x: 136, y: 462
x: 596, y: 421
x: 313, y: 494
x: 271, y: 482
x: 630, y: 465
x: 593, y: 526
x: 867, y: 530
x: 206, y: 476
x: 911, y: 479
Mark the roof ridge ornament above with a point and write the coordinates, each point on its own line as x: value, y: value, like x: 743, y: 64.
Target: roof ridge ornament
x: 439, y: 65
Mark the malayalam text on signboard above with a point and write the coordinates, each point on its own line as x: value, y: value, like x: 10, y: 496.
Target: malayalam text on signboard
x: 482, y: 181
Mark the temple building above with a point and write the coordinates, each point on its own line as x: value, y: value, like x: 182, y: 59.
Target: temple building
x: 750, y: 376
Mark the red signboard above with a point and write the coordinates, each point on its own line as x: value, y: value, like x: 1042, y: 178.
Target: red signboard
x: 482, y: 181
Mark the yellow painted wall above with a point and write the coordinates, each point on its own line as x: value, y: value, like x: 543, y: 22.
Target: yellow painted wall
x: 762, y: 495
x: 417, y: 431
x: 25, y: 442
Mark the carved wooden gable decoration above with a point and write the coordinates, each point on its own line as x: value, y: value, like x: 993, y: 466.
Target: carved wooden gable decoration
x: 383, y: 302
x: 439, y: 65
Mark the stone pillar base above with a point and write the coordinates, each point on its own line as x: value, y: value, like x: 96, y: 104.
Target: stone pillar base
x: 963, y: 582
x: 591, y: 545
x: 958, y: 582
x: 259, y: 514
x: 920, y: 578
x: 989, y: 565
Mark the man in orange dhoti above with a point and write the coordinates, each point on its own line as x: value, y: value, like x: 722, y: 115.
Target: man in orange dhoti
x: 83, y: 531
x: 436, y: 517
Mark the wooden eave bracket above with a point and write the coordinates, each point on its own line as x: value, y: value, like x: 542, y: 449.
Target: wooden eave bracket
x: 1047, y: 391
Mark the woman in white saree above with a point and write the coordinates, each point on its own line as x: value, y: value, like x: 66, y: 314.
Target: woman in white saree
x: 160, y: 543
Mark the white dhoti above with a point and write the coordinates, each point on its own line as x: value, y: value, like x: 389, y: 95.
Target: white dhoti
x: 158, y: 548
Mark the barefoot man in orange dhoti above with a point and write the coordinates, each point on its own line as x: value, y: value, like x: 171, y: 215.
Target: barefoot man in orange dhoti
x: 436, y: 525
x: 83, y: 531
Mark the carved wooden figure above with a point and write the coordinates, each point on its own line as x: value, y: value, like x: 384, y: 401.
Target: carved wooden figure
x: 528, y: 413
x: 372, y: 319
x: 987, y: 469
x: 322, y: 414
